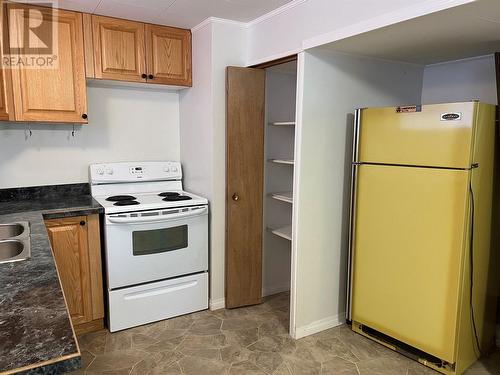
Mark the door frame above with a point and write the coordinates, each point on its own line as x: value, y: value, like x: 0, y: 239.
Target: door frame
x: 296, y: 178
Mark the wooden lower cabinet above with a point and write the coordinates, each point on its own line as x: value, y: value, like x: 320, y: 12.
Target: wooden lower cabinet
x: 76, y: 246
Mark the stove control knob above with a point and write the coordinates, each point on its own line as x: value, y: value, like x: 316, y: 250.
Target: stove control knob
x: 166, y: 169
x: 109, y: 170
x: 174, y: 169
x: 100, y: 170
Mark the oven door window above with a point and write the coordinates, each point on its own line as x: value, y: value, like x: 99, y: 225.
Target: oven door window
x: 157, y: 241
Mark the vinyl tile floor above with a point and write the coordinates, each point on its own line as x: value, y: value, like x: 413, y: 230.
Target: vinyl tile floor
x: 252, y: 340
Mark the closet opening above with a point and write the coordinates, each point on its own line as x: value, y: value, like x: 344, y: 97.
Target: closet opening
x: 259, y: 192
x: 279, y: 152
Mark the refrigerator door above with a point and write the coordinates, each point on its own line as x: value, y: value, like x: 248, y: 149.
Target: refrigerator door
x: 408, y: 247
x: 437, y: 135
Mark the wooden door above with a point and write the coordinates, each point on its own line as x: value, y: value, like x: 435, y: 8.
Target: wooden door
x: 56, y: 91
x: 119, y: 49
x: 245, y: 90
x: 68, y: 237
x: 168, y: 55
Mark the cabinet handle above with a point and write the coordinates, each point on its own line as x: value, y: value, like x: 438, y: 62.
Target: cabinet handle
x: 84, y: 116
x: 236, y: 197
x: 151, y: 76
x: 144, y: 75
x: 82, y: 223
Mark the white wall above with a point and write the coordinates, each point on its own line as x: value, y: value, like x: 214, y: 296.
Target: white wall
x: 195, y: 116
x: 203, y: 118
x: 460, y: 80
x: 332, y: 87
x: 304, y: 24
x: 124, y: 124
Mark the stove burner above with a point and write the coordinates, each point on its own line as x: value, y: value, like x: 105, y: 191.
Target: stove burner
x: 120, y: 198
x: 126, y: 203
x: 169, y: 194
x: 173, y: 198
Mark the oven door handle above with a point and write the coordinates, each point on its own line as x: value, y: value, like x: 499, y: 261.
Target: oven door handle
x: 159, y: 218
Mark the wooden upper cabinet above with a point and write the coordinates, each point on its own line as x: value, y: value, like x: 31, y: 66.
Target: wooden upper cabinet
x: 6, y: 99
x: 168, y: 55
x: 119, y: 49
x: 136, y: 52
x: 49, y: 93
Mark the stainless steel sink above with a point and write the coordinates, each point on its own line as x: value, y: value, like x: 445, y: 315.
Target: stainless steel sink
x: 14, y: 250
x: 14, y: 230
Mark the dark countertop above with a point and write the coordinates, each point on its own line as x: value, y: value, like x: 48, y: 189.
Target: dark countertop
x: 35, y: 330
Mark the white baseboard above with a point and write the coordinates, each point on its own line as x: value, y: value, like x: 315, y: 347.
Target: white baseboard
x: 319, y: 325
x: 217, y: 304
x: 269, y: 290
x: 497, y: 336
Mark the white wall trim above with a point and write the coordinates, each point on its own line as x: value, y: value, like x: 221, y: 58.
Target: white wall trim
x: 275, y: 12
x: 211, y: 20
x: 217, y: 304
x: 295, y: 207
x: 319, y: 325
x: 400, y: 15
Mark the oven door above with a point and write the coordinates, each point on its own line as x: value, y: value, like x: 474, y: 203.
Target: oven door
x: 154, y: 245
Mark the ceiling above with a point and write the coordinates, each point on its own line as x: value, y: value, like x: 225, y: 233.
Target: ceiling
x: 180, y: 13
x: 453, y: 34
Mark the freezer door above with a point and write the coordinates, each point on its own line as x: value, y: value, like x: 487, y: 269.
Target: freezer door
x: 435, y: 135
x: 408, y: 246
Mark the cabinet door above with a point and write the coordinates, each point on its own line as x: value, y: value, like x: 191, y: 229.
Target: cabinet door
x: 6, y: 98
x: 53, y: 92
x: 70, y: 247
x: 168, y: 54
x: 118, y: 49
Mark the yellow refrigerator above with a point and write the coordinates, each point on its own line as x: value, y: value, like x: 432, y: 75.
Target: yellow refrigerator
x: 421, y: 211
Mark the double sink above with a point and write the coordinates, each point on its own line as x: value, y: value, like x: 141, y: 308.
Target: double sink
x: 14, y: 242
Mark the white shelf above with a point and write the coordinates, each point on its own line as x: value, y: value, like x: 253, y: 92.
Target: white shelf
x: 284, y: 196
x: 283, y: 123
x: 281, y: 161
x: 284, y: 232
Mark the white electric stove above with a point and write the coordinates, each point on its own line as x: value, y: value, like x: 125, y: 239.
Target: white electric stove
x: 156, y: 242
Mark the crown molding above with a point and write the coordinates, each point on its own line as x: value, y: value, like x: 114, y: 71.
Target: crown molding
x: 284, y: 8
x: 212, y: 20
x: 273, y: 13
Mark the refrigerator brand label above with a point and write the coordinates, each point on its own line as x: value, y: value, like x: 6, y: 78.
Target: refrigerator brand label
x: 451, y: 116
x: 409, y: 109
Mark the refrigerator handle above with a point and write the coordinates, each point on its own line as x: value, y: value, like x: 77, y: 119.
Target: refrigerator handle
x: 352, y: 212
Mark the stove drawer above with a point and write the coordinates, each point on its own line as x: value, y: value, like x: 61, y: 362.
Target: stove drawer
x: 130, y: 307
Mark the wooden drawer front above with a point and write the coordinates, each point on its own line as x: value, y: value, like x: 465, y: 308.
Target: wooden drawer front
x: 168, y: 55
x: 118, y: 49
x: 70, y: 247
x: 56, y: 93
